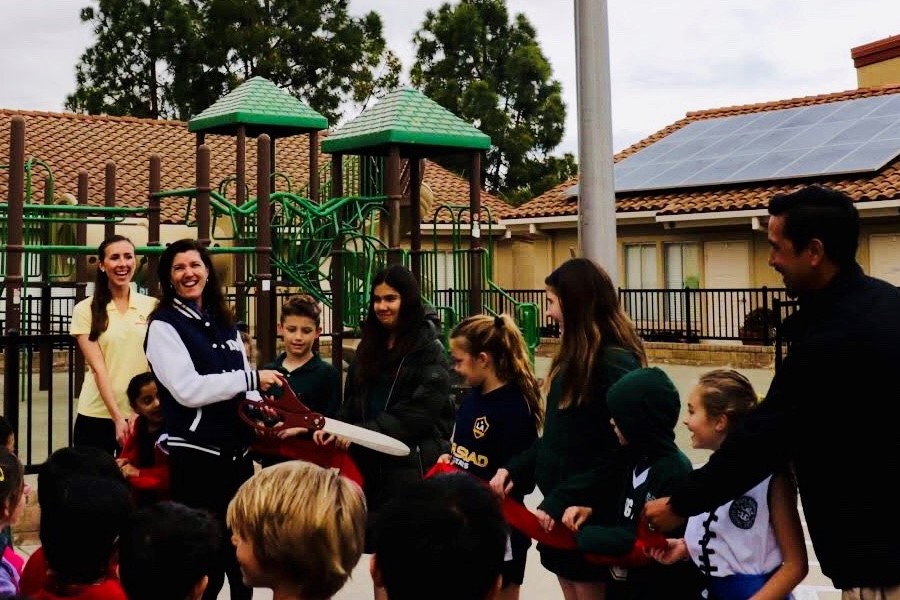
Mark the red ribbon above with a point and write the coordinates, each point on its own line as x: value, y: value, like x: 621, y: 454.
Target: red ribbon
x: 561, y: 537
x: 326, y: 456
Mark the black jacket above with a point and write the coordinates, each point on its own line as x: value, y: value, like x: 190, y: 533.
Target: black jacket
x: 418, y: 411
x: 833, y: 409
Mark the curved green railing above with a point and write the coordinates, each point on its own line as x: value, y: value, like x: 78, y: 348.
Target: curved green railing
x: 525, y: 314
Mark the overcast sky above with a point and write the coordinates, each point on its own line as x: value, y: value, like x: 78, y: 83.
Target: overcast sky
x: 666, y: 57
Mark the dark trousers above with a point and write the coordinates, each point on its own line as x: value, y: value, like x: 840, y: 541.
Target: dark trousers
x: 96, y: 432
x: 202, y: 480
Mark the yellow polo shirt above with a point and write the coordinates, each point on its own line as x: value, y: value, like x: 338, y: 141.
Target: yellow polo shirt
x: 122, y: 345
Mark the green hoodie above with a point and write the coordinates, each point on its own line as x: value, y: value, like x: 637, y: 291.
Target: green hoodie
x: 645, y: 407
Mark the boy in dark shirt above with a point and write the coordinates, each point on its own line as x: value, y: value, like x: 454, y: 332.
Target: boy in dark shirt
x: 316, y: 383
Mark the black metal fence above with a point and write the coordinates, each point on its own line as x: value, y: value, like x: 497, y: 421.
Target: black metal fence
x: 686, y: 315
x: 39, y: 395
x: 692, y: 315
x: 41, y: 378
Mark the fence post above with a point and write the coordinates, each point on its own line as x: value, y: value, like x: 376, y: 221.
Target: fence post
x: 11, y: 380
x: 265, y: 341
x: 766, y: 339
x: 687, y: 314
x: 776, y: 307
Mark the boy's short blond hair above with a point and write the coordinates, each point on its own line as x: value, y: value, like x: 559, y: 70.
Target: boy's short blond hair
x: 306, y: 525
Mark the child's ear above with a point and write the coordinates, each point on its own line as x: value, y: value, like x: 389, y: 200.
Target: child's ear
x: 375, y: 572
x: 483, y: 358
x: 318, y: 331
x: 721, y: 423
x: 279, y: 330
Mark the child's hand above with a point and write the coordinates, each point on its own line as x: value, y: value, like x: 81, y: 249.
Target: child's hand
x: 501, y: 483
x: 323, y: 439
x: 443, y: 459
x: 130, y: 471
x: 546, y: 521
x: 676, y: 551
x: 121, y: 462
x: 291, y: 432
x: 575, y: 516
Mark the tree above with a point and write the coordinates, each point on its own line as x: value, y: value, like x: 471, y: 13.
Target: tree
x: 173, y: 58
x: 491, y: 72
x: 538, y: 176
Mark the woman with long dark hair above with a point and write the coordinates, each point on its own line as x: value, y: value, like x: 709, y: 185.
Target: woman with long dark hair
x: 598, y: 345
x: 398, y: 384
x: 202, y: 373
x: 109, y: 327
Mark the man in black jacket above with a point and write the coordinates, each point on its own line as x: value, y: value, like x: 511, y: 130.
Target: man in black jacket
x: 832, y: 409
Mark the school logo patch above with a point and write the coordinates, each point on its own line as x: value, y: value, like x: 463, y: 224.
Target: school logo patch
x: 743, y: 512
x: 479, y: 429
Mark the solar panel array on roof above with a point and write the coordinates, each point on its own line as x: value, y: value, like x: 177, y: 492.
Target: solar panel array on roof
x: 850, y: 136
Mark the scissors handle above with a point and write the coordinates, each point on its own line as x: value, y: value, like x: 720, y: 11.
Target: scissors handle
x: 290, y: 411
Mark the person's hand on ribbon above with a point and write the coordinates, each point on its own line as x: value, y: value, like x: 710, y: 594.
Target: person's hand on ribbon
x: 501, y: 483
x: 547, y: 522
x: 660, y: 516
x: 575, y: 516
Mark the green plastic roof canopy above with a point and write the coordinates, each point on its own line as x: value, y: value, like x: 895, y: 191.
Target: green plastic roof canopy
x: 405, y: 117
x: 262, y: 107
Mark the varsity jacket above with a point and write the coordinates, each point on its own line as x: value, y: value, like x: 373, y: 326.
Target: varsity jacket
x: 201, y: 374
x: 832, y: 409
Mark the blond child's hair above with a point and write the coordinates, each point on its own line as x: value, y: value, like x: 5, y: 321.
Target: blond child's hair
x: 306, y: 525
x: 501, y: 339
x: 727, y: 392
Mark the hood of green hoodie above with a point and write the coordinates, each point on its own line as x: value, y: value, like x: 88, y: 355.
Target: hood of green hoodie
x: 645, y: 405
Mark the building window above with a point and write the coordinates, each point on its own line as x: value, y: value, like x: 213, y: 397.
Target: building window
x: 640, y: 274
x: 640, y: 266
x: 682, y: 267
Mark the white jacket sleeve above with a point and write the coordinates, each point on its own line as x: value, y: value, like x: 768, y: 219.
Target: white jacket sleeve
x: 172, y: 365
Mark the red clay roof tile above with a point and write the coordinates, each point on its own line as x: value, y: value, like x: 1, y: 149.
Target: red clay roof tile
x: 69, y: 142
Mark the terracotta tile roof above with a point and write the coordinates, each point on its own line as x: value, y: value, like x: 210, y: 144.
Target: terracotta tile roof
x: 452, y: 189
x: 882, y: 185
x: 69, y: 142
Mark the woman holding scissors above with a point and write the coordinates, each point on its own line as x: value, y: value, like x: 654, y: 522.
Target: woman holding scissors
x: 202, y: 374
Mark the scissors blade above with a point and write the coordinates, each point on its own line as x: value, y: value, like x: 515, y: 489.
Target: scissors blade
x: 366, y: 437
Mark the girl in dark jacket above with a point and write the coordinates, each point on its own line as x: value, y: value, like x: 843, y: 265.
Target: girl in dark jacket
x: 598, y: 346
x: 398, y: 384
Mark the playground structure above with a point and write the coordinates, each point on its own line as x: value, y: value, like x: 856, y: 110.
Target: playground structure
x: 326, y: 238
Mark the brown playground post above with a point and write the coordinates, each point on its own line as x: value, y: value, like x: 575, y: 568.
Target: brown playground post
x: 109, y: 198
x: 202, y: 183
x: 153, y: 217
x: 265, y: 340
x: 15, y: 225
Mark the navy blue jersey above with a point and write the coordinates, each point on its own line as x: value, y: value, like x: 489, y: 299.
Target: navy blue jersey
x: 490, y: 429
